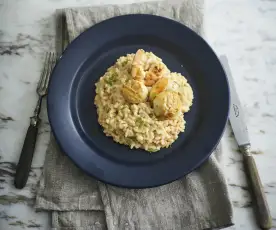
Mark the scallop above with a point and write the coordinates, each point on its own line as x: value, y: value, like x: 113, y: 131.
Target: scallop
x: 139, y: 60
x: 134, y: 91
x: 167, y: 104
x: 158, y: 87
x: 175, y: 82
x: 187, y: 97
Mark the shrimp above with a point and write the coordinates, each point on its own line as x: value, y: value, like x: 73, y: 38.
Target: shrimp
x: 147, y: 69
x: 156, y: 72
x: 137, y: 70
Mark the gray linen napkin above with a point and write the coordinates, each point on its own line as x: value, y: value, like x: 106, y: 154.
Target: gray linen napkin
x: 198, y: 201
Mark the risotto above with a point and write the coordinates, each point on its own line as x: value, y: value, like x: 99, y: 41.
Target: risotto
x: 140, y: 103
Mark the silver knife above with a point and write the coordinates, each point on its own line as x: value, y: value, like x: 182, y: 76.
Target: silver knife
x: 238, y: 124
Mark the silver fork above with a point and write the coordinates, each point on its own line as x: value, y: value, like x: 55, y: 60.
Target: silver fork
x: 26, y: 157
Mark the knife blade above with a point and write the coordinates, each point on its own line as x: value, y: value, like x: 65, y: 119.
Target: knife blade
x: 236, y: 115
x: 239, y: 127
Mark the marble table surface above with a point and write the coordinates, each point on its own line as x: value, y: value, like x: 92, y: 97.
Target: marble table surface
x: 244, y: 30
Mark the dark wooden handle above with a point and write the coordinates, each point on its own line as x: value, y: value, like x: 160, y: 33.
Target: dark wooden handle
x: 26, y: 157
x: 262, y: 210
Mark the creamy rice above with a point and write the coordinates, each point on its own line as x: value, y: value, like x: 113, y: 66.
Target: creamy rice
x: 134, y: 125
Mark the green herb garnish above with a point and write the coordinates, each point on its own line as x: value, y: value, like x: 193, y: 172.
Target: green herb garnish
x: 124, y: 63
x: 139, y: 122
x: 112, y: 79
x: 152, y: 150
x: 130, y: 140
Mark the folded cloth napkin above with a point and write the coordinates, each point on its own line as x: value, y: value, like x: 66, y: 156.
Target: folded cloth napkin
x: 198, y: 201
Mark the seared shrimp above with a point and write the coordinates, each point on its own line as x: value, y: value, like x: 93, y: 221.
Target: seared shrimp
x: 156, y: 71
x: 137, y: 70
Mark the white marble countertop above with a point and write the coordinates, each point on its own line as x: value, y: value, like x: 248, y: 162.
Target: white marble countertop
x: 242, y: 29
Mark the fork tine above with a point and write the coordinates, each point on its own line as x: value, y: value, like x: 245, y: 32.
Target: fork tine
x: 42, y: 76
x: 46, y: 64
x: 45, y: 76
x: 52, y: 64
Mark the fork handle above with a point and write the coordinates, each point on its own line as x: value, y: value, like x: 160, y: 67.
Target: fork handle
x: 26, y: 157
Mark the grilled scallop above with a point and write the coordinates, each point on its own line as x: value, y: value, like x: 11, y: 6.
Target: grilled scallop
x: 167, y: 104
x: 175, y: 82
x: 181, y: 85
x: 160, y: 86
x: 187, y: 97
x: 134, y: 91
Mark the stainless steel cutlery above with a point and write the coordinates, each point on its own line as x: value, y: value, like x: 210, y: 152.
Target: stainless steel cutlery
x: 25, y: 160
x: 239, y: 127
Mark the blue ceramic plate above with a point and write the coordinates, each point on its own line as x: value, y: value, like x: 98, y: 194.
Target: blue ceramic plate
x: 73, y: 115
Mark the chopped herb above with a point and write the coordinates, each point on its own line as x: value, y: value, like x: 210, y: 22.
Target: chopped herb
x: 124, y: 63
x: 106, y: 108
x: 152, y: 150
x: 112, y: 79
x: 108, y: 82
x: 130, y: 140
x: 139, y: 122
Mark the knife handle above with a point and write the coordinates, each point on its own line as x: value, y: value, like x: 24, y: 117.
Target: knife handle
x: 262, y: 210
x: 26, y: 157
